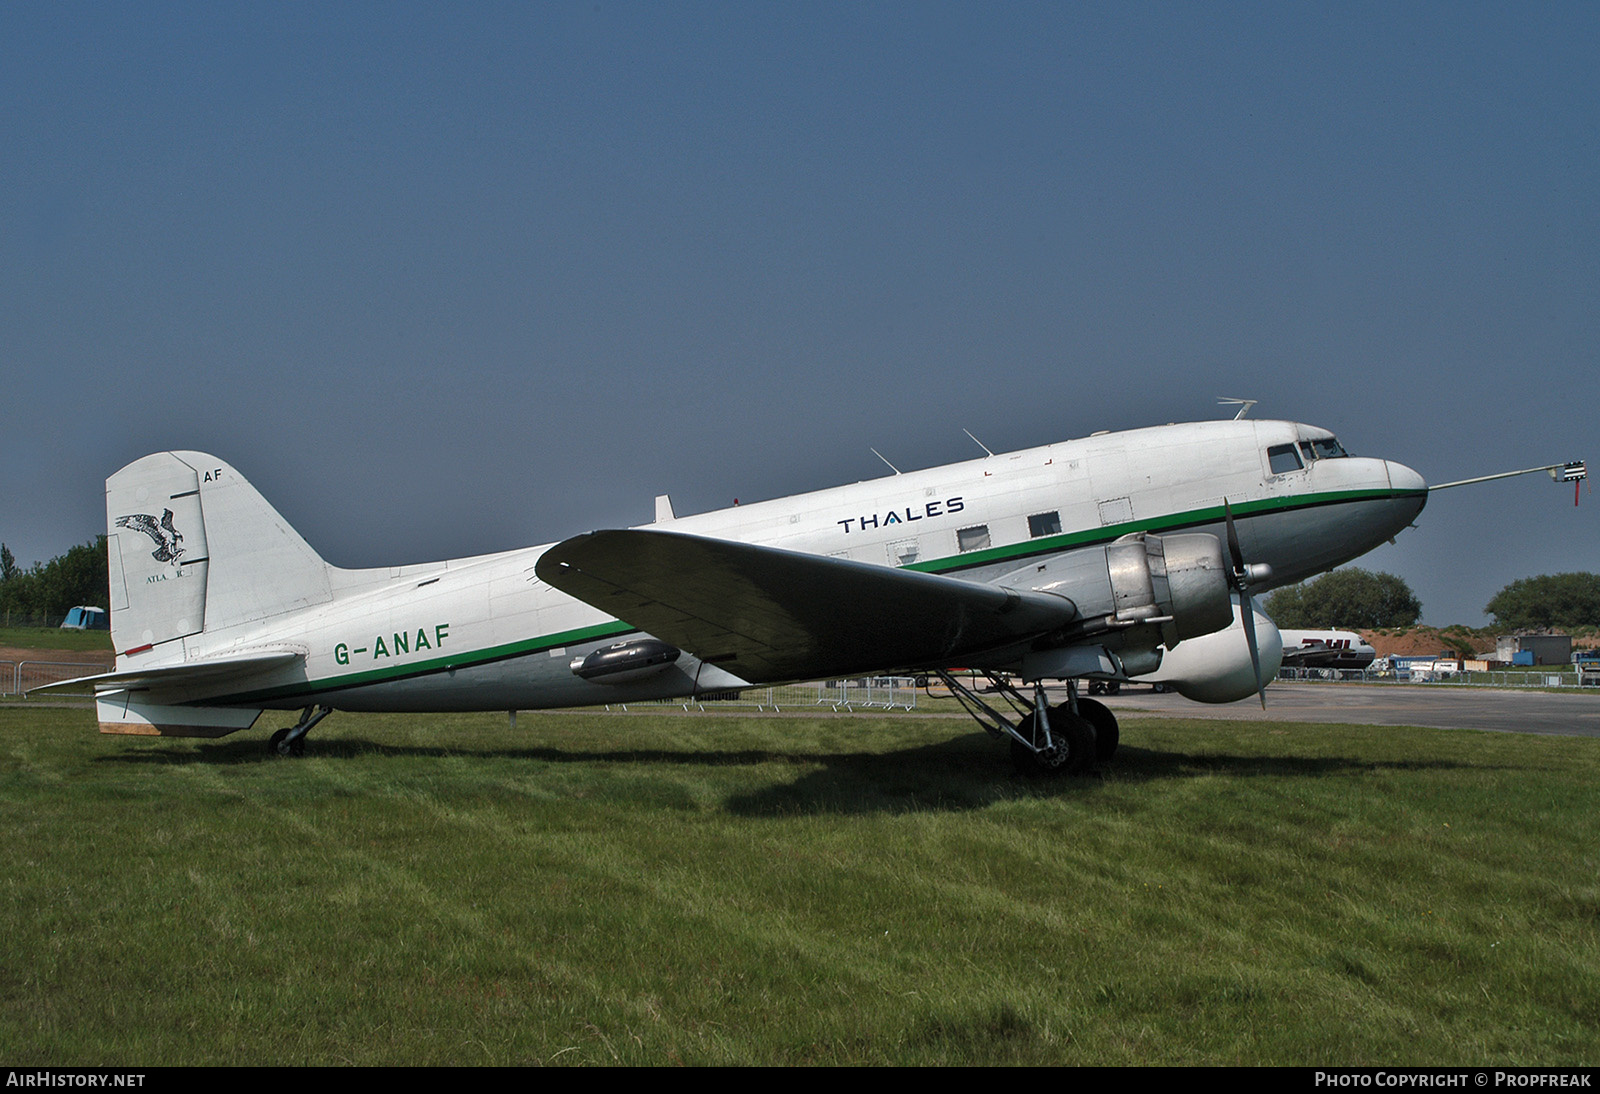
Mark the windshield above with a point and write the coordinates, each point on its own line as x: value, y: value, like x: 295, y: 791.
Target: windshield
x: 1321, y: 448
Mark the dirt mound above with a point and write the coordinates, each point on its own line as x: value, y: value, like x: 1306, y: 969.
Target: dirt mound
x: 1427, y: 641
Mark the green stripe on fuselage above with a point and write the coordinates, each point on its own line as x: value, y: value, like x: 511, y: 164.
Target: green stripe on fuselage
x: 1194, y: 518
x: 472, y: 659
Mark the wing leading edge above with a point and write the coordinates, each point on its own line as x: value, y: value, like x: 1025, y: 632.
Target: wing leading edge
x: 770, y: 615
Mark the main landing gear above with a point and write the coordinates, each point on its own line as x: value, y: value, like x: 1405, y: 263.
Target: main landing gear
x: 292, y: 740
x: 1069, y: 738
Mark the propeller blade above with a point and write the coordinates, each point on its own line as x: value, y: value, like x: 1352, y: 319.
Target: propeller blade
x: 1241, y: 582
x: 1234, y: 549
x: 1255, y: 649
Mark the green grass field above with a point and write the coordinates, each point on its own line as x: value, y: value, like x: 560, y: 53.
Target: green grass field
x: 656, y: 889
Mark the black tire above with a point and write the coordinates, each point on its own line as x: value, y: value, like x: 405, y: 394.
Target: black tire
x: 1073, y: 752
x: 277, y: 739
x: 1106, y: 733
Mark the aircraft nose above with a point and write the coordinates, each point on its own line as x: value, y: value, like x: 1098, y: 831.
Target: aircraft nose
x: 1402, y: 477
x: 1411, y: 492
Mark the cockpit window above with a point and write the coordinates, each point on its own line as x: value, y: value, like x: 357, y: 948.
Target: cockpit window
x: 1327, y: 448
x: 1283, y: 458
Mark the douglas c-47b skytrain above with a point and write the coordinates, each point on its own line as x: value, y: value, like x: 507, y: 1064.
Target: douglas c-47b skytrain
x: 1119, y: 557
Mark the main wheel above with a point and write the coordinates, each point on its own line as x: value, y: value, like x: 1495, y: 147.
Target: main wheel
x: 1072, y: 750
x: 1106, y: 733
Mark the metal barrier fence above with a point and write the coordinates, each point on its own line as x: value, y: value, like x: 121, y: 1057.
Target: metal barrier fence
x: 24, y: 676
x: 1330, y: 675
x: 1556, y: 676
x: 1553, y: 677
x: 865, y: 693
x: 861, y: 693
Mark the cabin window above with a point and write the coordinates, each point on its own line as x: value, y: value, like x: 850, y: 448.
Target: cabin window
x: 1044, y: 524
x: 975, y: 538
x: 1283, y: 458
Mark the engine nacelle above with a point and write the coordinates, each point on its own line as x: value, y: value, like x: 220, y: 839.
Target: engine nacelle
x: 1178, y: 583
x: 1215, y: 668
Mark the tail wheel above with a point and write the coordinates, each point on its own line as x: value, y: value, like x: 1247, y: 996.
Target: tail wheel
x: 1072, y: 741
x: 1106, y: 733
x: 281, y: 744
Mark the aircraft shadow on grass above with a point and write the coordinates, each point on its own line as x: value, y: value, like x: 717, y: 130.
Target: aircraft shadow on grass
x: 949, y: 776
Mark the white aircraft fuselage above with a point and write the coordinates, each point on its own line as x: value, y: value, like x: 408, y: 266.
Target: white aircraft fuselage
x: 241, y: 615
x: 1326, y: 650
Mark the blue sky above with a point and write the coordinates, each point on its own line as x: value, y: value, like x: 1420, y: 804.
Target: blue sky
x: 449, y: 279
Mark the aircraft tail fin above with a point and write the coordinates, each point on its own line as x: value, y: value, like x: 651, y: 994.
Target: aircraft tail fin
x: 194, y: 548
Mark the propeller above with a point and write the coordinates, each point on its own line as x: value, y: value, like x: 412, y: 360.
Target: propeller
x: 1239, y: 577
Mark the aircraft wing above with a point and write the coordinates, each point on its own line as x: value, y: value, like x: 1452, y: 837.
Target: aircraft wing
x: 1305, y: 656
x: 770, y: 615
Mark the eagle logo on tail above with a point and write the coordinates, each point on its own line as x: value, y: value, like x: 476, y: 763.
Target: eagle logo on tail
x: 166, y: 536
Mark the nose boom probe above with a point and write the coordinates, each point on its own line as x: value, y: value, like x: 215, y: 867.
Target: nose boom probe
x: 1574, y: 471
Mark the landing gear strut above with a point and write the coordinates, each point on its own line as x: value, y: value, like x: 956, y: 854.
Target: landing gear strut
x: 1053, y: 742
x: 292, y: 740
x: 1068, y: 738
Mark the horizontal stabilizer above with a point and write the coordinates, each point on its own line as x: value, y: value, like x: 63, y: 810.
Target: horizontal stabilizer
x: 770, y: 615
x: 184, y: 674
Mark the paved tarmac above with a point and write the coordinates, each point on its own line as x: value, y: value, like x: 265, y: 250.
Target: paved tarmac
x: 1561, y: 714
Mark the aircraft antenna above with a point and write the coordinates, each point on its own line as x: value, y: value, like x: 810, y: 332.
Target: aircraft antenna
x: 885, y: 459
x: 979, y: 443
x: 1244, y: 405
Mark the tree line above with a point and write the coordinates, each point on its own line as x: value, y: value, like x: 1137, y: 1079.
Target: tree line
x: 42, y: 594
x: 1548, y: 602
x: 1356, y: 599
